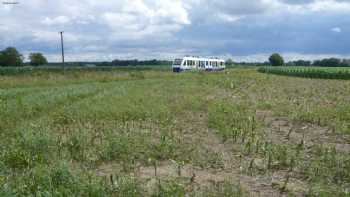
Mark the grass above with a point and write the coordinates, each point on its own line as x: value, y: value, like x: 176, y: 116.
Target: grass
x: 113, y: 133
x: 42, y: 70
x: 309, y: 72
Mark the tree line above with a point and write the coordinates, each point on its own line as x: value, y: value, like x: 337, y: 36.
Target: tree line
x: 10, y: 57
x: 136, y: 62
x: 277, y: 60
x: 328, y: 62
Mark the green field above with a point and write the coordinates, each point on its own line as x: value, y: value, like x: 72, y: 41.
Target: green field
x: 309, y: 72
x: 37, y: 70
x: 155, y: 133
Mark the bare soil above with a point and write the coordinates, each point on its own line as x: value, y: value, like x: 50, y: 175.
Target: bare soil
x: 281, y: 130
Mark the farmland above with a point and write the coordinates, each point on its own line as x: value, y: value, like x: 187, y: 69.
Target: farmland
x: 309, y: 72
x: 154, y: 133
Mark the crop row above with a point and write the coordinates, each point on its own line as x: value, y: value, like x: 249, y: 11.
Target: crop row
x: 313, y: 72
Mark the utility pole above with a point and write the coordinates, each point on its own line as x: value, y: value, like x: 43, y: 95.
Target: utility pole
x: 63, y: 64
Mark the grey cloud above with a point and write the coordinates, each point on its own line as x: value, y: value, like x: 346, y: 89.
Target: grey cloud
x: 144, y: 28
x: 295, y: 2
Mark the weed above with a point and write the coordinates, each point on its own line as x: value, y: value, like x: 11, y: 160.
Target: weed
x: 170, y: 189
x: 225, y: 189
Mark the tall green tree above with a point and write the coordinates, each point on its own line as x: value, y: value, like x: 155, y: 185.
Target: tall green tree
x: 10, y: 57
x: 276, y: 60
x: 37, y: 59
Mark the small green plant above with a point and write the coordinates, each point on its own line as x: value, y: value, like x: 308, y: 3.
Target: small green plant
x: 225, y: 189
x: 77, y: 144
x: 125, y: 186
x: 170, y: 189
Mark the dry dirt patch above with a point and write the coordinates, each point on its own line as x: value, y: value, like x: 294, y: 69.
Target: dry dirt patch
x: 281, y: 130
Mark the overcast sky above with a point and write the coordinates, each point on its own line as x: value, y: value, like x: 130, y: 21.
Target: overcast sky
x: 247, y: 30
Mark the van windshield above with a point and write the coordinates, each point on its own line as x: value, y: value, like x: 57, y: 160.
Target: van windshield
x: 177, y: 62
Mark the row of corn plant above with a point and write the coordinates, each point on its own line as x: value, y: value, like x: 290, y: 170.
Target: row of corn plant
x: 309, y: 72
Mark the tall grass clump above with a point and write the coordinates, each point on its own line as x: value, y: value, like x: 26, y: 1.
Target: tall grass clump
x: 59, y: 180
x: 232, y: 121
x: 30, y: 148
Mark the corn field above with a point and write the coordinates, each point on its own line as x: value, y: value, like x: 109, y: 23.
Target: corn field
x: 155, y: 133
x: 309, y: 72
